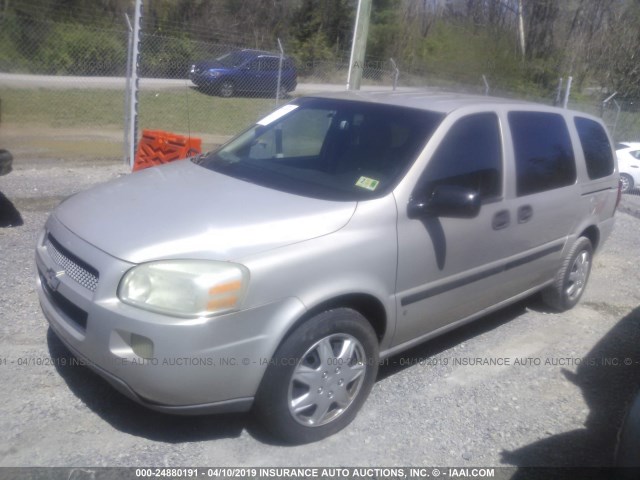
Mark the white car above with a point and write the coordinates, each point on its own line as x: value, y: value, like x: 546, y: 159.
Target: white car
x: 629, y: 164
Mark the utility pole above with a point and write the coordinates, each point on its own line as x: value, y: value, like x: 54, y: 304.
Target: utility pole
x: 359, y: 45
x: 521, y: 38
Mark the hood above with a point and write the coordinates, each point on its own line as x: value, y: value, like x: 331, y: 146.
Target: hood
x: 209, y: 64
x: 182, y: 210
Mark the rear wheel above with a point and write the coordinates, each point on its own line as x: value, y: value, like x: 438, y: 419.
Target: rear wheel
x: 319, y: 377
x: 572, y: 277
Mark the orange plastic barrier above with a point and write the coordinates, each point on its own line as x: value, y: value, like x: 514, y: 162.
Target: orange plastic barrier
x: 157, y: 147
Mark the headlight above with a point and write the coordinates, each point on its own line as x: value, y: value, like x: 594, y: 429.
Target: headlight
x: 185, y: 288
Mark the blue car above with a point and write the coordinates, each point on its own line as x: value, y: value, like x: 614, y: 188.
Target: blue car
x: 245, y: 71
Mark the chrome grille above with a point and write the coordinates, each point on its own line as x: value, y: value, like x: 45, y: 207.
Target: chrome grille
x: 75, y: 268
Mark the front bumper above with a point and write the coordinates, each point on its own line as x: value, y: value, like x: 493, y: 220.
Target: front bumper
x: 187, y: 366
x: 202, y: 79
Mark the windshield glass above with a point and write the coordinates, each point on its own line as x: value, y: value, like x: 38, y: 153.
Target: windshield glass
x: 233, y: 59
x: 326, y: 148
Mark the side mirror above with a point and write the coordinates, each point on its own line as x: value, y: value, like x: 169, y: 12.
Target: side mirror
x: 446, y: 201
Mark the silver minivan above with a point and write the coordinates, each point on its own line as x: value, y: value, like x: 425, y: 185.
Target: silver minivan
x: 275, y: 273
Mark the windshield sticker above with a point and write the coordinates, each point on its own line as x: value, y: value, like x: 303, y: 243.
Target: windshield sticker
x: 273, y: 116
x: 368, y: 183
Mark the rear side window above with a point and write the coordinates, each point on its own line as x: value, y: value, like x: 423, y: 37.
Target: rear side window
x: 269, y: 63
x: 470, y: 156
x: 596, y: 148
x: 543, y: 151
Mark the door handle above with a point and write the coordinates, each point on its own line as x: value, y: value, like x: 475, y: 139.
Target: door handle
x: 501, y: 220
x: 525, y: 213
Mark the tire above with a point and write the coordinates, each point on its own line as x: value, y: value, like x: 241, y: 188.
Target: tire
x: 629, y: 438
x: 6, y: 159
x: 227, y: 89
x: 285, y: 90
x: 319, y: 377
x: 571, y: 280
x: 627, y: 182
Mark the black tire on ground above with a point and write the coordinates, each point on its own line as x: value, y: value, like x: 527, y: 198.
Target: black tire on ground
x: 319, y: 377
x: 6, y: 159
x: 571, y: 279
x: 227, y: 89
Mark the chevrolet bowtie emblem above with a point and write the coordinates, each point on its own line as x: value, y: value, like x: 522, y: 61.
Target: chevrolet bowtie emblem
x: 53, y: 278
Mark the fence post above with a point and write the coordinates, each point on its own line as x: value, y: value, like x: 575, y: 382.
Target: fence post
x: 605, y: 102
x: 486, y: 85
x: 396, y: 73
x: 279, y: 71
x: 133, y: 85
x: 127, y: 92
x: 615, y: 123
x: 567, y: 92
x: 556, y: 102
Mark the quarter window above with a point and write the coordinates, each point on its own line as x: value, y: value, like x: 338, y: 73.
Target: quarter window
x: 470, y: 156
x: 543, y: 152
x: 596, y: 148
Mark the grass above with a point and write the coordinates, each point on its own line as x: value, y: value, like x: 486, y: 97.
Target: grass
x: 90, y: 122
x: 177, y: 110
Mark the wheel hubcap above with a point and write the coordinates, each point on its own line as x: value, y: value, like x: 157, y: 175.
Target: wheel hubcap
x: 625, y: 183
x: 226, y: 89
x: 327, y: 380
x: 578, y: 275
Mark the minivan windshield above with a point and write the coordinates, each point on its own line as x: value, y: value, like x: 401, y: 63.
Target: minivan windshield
x: 328, y: 148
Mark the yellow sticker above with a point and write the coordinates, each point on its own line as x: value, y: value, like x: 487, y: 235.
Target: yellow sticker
x: 368, y: 183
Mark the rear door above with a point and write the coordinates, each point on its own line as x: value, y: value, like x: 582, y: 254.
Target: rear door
x: 269, y: 74
x: 546, y: 205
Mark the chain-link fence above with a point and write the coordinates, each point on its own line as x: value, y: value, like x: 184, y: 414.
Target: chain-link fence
x: 64, y: 83
x: 62, y: 87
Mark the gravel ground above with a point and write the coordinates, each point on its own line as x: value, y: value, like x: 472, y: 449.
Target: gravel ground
x: 560, y: 406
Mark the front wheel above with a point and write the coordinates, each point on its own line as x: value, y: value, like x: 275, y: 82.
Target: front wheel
x: 227, y: 89
x: 572, y: 277
x: 319, y: 377
x: 627, y: 182
x: 6, y: 159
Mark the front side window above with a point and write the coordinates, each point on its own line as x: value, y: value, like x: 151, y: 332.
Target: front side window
x: 328, y: 148
x: 543, y: 152
x: 596, y: 148
x: 470, y: 156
